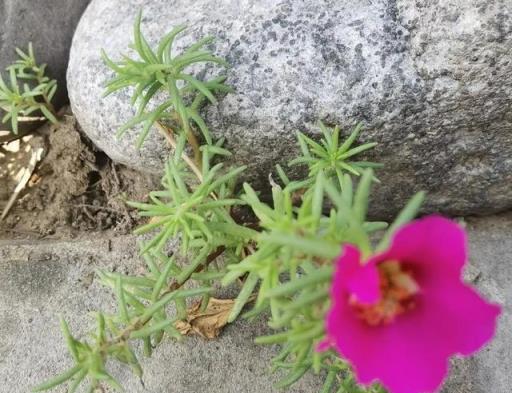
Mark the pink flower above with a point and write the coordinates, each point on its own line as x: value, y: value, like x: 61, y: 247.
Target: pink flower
x: 398, y: 317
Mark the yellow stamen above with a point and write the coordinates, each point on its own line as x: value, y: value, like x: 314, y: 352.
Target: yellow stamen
x: 397, y: 287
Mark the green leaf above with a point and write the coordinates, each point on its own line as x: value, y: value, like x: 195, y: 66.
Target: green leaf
x: 366, y: 164
x: 150, y: 330
x: 51, y: 91
x: 184, y: 61
x: 180, y: 294
x: 70, y: 341
x: 244, y: 295
x: 307, y: 299
x: 49, y: 115
x: 129, y: 280
x: 375, y: 226
x: 201, y: 124
x: 405, y: 215
x: 179, y: 106
x: 225, y: 178
x: 216, y: 150
x: 199, y: 44
x: 149, y: 120
x: 282, y: 175
x: 234, y: 230
x: 111, y: 381
x: 357, y: 150
x: 362, y: 195
x: 312, y: 246
x: 314, y: 332
x: 272, y: 339
x: 150, y: 92
x: 22, y: 54
x: 321, y: 276
x: 208, y: 276
x: 148, y: 348
x: 59, y: 379
x: 347, y: 192
x: 77, y: 381
x: 14, y: 121
x: 199, y: 86
x: 348, y: 168
x: 141, y: 45
x: 165, y: 44
x: 351, y: 139
x: 329, y: 381
x: 293, y: 377
x: 14, y: 81
x: 162, y: 280
x: 318, y: 196
x: 192, y: 266
x: 123, y: 309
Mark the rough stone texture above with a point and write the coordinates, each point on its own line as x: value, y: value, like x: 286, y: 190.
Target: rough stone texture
x: 429, y: 79
x: 42, y: 279
x: 490, y: 247
x: 48, y: 25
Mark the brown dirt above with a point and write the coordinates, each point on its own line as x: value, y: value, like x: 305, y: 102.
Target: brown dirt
x: 75, y: 188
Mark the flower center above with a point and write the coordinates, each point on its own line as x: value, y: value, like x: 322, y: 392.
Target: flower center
x: 397, y: 288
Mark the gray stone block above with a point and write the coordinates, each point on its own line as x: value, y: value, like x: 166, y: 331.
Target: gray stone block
x: 42, y: 279
x: 430, y: 80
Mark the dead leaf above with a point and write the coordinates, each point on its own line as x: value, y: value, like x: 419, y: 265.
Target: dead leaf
x: 208, y: 323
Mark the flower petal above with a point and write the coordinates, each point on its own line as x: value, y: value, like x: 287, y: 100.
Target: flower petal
x: 403, y: 356
x: 468, y: 320
x: 361, y: 281
x: 433, y: 240
x: 410, y: 354
x: 364, y: 284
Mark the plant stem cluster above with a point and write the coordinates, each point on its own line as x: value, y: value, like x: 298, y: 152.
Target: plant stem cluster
x: 28, y: 93
x: 283, y: 259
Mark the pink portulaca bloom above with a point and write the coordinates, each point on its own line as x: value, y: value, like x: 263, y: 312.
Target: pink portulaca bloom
x: 399, y: 316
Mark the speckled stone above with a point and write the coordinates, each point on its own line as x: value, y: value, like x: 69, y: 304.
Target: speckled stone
x: 430, y: 80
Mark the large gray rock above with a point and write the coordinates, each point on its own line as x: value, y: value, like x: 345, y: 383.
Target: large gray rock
x: 43, y: 279
x: 430, y: 80
x: 48, y: 25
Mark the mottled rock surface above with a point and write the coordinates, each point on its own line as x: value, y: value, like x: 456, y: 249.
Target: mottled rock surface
x: 430, y: 80
x: 49, y: 25
x: 43, y: 279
